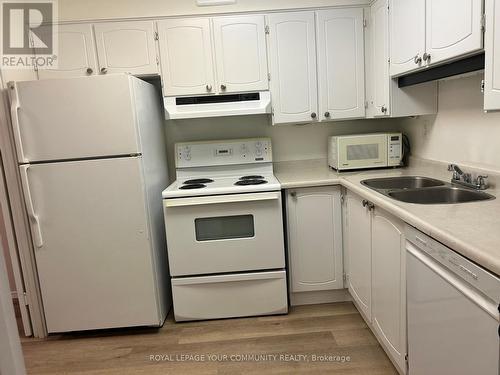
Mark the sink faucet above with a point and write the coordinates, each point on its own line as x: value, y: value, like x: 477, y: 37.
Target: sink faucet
x: 465, y: 179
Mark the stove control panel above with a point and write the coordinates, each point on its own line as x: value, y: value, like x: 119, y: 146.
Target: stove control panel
x: 240, y: 151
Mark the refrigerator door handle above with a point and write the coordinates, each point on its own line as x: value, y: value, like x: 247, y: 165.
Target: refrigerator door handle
x: 14, y: 112
x: 34, y: 219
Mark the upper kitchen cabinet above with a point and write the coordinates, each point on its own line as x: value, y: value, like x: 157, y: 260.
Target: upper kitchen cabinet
x: 453, y: 29
x: 315, y: 251
x: 492, y: 57
x: 126, y: 47
x: 292, y: 61
x: 377, y: 49
x: 407, y: 35
x: 186, y: 57
x: 240, y: 53
x: 341, y: 70
x: 76, y: 56
x: 384, y: 97
x: 428, y: 32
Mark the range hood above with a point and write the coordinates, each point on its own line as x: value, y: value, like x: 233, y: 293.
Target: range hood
x: 217, y: 105
x: 462, y: 66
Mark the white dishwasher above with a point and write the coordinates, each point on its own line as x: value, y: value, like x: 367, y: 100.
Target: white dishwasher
x: 453, y: 311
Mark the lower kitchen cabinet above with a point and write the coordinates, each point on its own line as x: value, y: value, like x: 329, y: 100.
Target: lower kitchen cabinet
x: 388, y: 284
x: 357, y: 245
x: 315, y: 239
x: 374, y: 244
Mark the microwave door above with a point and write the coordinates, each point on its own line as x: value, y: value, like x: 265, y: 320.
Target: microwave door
x: 363, y: 152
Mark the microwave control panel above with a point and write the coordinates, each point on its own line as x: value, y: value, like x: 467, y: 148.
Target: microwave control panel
x: 394, y: 149
x: 203, y: 154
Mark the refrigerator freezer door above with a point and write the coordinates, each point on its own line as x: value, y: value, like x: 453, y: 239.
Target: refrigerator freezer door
x: 74, y: 118
x: 93, y: 249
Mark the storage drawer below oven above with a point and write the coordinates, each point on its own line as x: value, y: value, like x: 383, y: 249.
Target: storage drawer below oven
x: 229, y: 296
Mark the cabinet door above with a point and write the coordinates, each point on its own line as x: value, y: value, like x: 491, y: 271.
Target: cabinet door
x: 292, y: 57
x: 186, y: 57
x: 358, y: 245
x: 389, y: 284
x: 379, y: 26
x: 453, y: 28
x: 341, y: 68
x: 240, y: 53
x: 126, y: 47
x: 492, y: 52
x: 76, y: 55
x: 315, y: 251
x: 407, y: 35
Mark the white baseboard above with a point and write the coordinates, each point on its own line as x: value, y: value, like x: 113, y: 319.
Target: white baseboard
x: 323, y: 296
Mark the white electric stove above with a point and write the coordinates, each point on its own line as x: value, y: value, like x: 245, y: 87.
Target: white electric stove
x: 224, y: 225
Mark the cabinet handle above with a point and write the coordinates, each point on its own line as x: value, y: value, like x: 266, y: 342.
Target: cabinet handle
x: 417, y: 59
x: 104, y: 70
x: 383, y: 109
x: 89, y: 71
x: 313, y: 115
x: 209, y: 87
x: 223, y: 87
x: 427, y: 57
x: 293, y: 194
x: 368, y: 204
x: 327, y: 114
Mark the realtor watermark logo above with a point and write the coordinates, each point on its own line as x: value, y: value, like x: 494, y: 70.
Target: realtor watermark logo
x: 29, y: 34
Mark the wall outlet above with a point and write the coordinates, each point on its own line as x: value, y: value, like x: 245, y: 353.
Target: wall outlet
x: 426, y: 129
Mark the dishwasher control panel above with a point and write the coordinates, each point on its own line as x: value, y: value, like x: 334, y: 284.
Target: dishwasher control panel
x: 480, y: 278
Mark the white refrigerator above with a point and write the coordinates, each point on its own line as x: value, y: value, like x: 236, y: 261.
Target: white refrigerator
x: 92, y: 161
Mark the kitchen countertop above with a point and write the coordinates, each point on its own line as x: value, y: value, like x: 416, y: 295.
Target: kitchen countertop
x: 471, y: 229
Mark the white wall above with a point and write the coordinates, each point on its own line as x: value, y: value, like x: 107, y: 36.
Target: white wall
x: 290, y: 142
x: 461, y: 132
x: 74, y: 10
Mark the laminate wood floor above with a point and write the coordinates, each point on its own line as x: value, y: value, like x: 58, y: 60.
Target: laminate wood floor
x: 334, y: 329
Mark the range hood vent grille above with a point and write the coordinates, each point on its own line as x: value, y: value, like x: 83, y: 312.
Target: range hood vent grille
x: 252, y: 103
x: 217, y: 99
x: 463, y: 66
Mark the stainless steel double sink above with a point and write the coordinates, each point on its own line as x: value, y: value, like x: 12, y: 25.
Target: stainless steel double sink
x: 424, y: 190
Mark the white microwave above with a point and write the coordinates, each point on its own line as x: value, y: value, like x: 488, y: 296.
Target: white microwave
x: 359, y: 151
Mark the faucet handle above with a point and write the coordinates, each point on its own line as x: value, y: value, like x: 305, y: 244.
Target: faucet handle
x: 481, y: 181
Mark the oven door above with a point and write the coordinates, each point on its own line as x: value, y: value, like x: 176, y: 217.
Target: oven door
x: 224, y: 233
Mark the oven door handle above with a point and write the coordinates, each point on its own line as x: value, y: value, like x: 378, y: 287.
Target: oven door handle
x: 220, y: 199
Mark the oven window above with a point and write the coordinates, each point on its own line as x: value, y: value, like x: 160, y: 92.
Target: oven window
x: 362, y: 152
x: 224, y: 227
